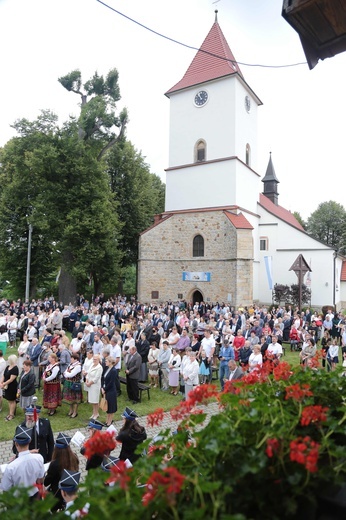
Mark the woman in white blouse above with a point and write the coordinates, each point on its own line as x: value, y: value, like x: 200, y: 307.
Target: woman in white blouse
x: 174, y: 371
x: 255, y: 359
x: 93, y: 384
x: 22, y: 349
x: 129, y: 342
x: 86, y: 365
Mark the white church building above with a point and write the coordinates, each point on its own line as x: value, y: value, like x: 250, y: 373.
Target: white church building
x: 223, y: 236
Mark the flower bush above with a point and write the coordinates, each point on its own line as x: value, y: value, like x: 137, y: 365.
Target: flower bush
x: 271, y: 449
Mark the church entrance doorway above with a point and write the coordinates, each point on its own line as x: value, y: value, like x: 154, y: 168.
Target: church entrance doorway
x: 197, y: 297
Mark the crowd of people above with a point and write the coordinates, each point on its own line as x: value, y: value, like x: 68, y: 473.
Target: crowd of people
x: 174, y: 347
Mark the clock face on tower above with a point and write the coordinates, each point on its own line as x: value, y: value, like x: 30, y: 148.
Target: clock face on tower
x: 201, y: 98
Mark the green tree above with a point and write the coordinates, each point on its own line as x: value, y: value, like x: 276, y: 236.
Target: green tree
x: 139, y: 193
x: 98, y: 120
x: 99, y: 129
x: 294, y: 294
x: 327, y: 223
x: 53, y: 180
x: 298, y: 216
x: 23, y: 190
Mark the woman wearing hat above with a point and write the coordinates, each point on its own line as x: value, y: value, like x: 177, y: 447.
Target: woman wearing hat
x: 131, y: 435
x: 95, y: 460
x: 63, y: 458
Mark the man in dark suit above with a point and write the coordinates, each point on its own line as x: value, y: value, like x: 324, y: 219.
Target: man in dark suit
x: 42, y: 438
x: 34, y: 357
x: 133, y: 370
x: 168, y: 324
x: 235, y: 372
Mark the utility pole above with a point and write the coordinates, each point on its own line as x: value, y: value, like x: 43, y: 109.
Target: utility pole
x: 28, y: 262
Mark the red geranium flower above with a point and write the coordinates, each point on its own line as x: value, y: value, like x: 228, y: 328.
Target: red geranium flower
x: 313, y: 414
x: 99, y: 443
x: 167, y: 484
x: 273, y: 446
x: 120, y: 473
x: 298, y: 392
x: 199, y: 395
x: 155, y: 418
x: 202, y: 393
x: 282, y: 371
x: 305, y: 452
x: 155, y: 447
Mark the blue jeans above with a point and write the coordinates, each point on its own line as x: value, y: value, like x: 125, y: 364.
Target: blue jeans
x: 223, y: 374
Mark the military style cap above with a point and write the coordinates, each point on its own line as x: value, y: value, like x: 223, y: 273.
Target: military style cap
x: 109, y: 462
x: 129, y: 414
x: 22, y: 435
x: 62, y: 440
x: 30, y: 410
x: 95, y: 424
x: 69, y: 480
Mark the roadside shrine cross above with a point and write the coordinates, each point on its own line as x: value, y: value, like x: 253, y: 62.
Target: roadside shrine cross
x: 300, y: 267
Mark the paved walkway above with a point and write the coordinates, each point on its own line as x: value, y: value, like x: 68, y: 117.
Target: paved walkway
x: 167, y: 423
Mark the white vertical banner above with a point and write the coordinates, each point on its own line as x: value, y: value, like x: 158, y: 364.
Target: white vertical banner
x: 269, y: 270
x: 308, y: 279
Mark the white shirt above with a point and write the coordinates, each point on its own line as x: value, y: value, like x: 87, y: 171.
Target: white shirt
x: 275, y: 348
x: 191, y: 372
x: 76, y: 344
x: 23, y: 471
x: 207, y: 345
x: 115, y: 351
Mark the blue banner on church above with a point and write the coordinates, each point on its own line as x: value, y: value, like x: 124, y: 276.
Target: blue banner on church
x: 196, y: 276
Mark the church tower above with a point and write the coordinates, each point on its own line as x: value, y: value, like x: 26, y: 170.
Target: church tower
x: 213, y: 132
x: 204, y: 246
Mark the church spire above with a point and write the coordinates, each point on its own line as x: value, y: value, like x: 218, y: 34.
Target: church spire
x: 213, y: 60
x: 270, y: 183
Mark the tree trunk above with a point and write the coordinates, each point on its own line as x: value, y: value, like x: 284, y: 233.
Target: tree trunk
x: 67, y: 282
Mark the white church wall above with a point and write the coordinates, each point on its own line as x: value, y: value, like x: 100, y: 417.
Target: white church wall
x: 248, y: 185
x: 285, y: 243
x: 201, y: 186
x: 246, y: 121
x: 222, y: 122
x: 213, y: 122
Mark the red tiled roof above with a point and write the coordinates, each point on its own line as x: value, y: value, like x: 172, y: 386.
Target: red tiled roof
x: 343, y: 272
x: 238, y: 220
x: 279, y: 212
x: 206, y: 65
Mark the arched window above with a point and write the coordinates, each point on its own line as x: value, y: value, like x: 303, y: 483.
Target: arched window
x: 200, y: 151
x: 248, y: 155
x: 198, y: 246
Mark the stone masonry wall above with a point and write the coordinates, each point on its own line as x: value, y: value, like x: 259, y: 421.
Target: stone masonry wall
x: 165, y: 252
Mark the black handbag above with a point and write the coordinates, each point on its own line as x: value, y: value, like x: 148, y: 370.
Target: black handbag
x: 76, y: 387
